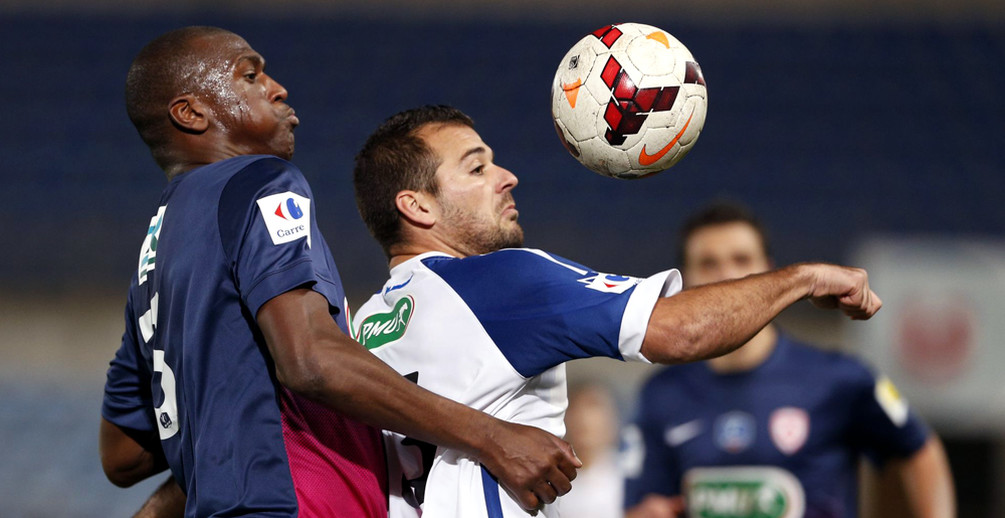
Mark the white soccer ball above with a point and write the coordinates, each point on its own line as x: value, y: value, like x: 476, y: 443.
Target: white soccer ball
x: 628, y: 100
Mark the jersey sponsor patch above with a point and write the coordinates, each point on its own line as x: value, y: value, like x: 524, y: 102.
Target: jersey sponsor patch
x: 890, y: 400
x: 735, y: 431
x: 383, y: 328
x: 610, y: 283
x: 287, y: 216
x: 743, y: 492
x: 789, y: 427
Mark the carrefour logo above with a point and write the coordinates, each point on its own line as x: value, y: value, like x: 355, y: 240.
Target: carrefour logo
x: 287, y: 217
x: 292, y: 210
x: 609, y: 282
x: 383, y: 328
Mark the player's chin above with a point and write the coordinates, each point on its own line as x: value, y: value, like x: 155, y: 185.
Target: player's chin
x: 286, y: 149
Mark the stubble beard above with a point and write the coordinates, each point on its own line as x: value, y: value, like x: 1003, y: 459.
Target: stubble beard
x: 476, y: 236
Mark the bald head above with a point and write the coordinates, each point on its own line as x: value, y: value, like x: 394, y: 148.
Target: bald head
x: 179, y: 62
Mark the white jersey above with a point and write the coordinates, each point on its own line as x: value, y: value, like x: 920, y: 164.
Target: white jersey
x: 493, y: 332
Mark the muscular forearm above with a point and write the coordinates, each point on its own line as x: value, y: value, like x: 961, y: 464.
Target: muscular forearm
x: 349, y: 378
x: 167, y: 502
x: 714, y: 319
x: 928, y: 482
x: 711, y: 320
x: 315, y: 359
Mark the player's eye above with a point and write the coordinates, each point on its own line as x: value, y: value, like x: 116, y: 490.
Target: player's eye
x: 480, y: 170
x: 251, y: 76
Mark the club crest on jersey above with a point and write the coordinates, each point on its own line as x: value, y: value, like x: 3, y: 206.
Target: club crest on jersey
x: 735, y: 431
x: 383, y: 328
x: 789, y: 427
x: 609, y: 283
x: 287, y: 217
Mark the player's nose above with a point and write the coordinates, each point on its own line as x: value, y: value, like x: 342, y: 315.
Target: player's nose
x: 276, y: 91
x: 507, y: 180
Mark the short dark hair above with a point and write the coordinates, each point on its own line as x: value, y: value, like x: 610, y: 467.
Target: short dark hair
x: 161, y: 71
x: 394, y: 158
x: 720, y: 213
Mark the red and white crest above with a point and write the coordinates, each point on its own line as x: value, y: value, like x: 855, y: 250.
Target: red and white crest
x: 790, y: 427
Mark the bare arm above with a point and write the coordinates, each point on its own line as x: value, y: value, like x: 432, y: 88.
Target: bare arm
x: 927, y: 481
x: 167, y: 502
x: 314, y: 358
x: 714, y: 319
x: 125, y: 460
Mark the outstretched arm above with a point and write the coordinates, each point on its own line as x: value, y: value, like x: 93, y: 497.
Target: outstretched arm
x: 927, y: 481
x: 314, y: 358
x: 714, y: 319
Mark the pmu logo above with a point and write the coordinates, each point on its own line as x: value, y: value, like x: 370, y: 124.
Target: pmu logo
x: 289, y: 210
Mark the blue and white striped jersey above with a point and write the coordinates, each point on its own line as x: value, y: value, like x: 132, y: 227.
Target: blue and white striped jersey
x: 493, y: 332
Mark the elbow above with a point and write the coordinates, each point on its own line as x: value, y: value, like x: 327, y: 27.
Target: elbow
x: 120, y: 474
x: 302, y: 376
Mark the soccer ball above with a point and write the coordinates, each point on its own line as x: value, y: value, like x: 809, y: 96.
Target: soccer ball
x: 628, y: 100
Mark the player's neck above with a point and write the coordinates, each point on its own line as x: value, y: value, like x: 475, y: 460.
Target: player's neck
x: 418, y: 243
x: 752, y: 354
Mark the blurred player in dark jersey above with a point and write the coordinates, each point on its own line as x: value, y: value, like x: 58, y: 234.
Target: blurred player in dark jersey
x: 775, y: 428
x: 235, y: 370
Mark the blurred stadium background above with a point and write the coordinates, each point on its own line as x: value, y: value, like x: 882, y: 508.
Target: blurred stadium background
x: 866, y: 131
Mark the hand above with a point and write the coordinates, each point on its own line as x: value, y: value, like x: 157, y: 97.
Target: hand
x: 844, y: 288
x: 534, y: 466
x: 657, y: 506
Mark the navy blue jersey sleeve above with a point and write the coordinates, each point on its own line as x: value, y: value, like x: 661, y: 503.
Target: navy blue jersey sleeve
x: 128, y: 399
x: 882, y: 423
x: 653, y: 469
x: 542, y: 310
x: 269, y: 233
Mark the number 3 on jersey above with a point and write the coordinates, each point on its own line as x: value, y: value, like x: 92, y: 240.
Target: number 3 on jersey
x: 167, y: 412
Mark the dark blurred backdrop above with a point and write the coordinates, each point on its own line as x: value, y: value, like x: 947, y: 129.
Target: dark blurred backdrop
x: 833, y: 123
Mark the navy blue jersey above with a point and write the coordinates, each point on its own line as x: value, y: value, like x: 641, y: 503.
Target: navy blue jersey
x: 193, y: 365
x: 781, y: 440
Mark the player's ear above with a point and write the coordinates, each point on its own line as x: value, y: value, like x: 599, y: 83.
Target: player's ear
x: 189, y: 114
x: 416, y: 207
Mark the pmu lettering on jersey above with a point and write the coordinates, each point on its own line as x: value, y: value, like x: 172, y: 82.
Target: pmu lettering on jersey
x: 744, y: 492
x: 383, y: 328
x: 148, y: 252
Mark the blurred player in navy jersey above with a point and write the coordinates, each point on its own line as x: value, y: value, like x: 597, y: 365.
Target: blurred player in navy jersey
x: 472, y: 317
x: 775, y: 428
x: 235, y: 370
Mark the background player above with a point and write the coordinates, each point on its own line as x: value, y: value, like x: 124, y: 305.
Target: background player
x: 235, y: 350
x: 493, y: 331
x: 775, y: 416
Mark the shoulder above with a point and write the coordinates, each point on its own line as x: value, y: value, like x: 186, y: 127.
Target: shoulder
x: 526, y: 261
x: 261, y: 173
